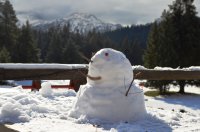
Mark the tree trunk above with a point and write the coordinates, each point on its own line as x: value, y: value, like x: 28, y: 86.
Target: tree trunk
x: 182, y: 85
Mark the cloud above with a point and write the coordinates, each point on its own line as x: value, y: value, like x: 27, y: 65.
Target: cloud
x: 116, y: 11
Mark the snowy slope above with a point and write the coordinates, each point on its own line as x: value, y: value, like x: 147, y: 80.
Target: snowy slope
x: 28, y: 110
x: 78, y: 22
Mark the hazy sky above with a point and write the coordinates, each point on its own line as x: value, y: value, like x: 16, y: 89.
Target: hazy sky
x: 116, y: 11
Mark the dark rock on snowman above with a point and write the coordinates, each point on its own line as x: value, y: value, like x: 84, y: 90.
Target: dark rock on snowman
x: 104, y: 97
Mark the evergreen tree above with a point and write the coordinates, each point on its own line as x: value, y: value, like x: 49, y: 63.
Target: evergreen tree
x: 136, y: 53
x: 4, y: 56
x: 54, y: 53
x: 71, y: 53
x: 26, y: 49
x: 92, y: 44
x: 9, y: 30
x: 177, y: 41
x: 134, y: 33
x: 132, y: 50
x: 150, y: 56
x: 1, y: 24
x: 43, y: 40
x: 158, y: 52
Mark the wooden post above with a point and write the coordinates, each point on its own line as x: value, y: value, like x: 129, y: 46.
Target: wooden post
x: 71, y: 84
x: 76, y: 83
x: 36, y: 85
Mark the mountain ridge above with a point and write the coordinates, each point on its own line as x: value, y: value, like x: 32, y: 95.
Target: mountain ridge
x: 78, y: 22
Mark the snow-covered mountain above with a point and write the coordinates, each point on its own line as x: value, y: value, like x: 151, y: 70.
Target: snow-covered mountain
x: 78, y: 22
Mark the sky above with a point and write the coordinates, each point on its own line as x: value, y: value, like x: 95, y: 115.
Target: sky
x: 125, y: 12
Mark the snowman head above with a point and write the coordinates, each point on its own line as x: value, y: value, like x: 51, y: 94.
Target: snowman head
x: 109, y: 65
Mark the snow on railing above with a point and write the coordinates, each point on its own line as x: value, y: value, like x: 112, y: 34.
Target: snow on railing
x: 191, y: 68
x: 168, y: 73
x: 41, y: 66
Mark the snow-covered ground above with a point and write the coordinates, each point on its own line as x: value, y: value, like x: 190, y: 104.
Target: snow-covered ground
x: 47, y: 111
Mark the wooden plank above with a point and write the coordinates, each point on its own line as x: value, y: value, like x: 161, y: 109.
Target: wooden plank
x: 41, y: 74
x: 77, y: 74
x: 167, y: 75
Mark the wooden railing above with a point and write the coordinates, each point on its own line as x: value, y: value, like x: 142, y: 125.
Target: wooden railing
x: 75, y: 73
x: 151, y: 74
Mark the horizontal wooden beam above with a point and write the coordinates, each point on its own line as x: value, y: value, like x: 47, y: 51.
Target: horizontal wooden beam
x: 73, y: 72
x: 167, y: 74
x: 76, y: 72
x: 42, y: 74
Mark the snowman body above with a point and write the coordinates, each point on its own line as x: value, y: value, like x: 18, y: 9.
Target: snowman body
x: 105, y: 98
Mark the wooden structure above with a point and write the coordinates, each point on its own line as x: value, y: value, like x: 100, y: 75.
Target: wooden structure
x: 75, y: 73
x: 151, y: 74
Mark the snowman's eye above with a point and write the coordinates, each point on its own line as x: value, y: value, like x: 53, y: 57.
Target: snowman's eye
x: 106, y: 54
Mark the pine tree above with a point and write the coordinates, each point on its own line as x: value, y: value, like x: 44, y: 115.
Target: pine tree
x: 92, y: 44
x: 132, y: 50
x: 26, y: 49
x: 150, y: 56
x: 54, y: 53
x: 4, y: 56
x: 136, y: 53
x: 1, y: 24
x: 176, y: 43
x: 9, y: 30
x: 71, y: 53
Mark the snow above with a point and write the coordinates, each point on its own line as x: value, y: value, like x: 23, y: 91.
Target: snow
x: 40, y: 66
x: 30, y: 111
x: 100, y: 105
x: 12, y: 112
x: 100, y: 99
x: 165, y: 68
x: 46, y: 90
x: 169, y: 110
x: 20, y: 105
x: 138, y: 67
x: 78, y: 22
x: 78, y: 66
x: 191, y: 68
x: 29, y: 82
x: 58, y: 82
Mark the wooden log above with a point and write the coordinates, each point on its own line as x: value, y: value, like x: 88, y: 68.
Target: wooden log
x: 36, y: 85
x: 167, y: 75
x: 41, y: 74
x: 76, y: 73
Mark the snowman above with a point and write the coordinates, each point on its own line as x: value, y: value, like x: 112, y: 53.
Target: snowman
x: 110, y: 93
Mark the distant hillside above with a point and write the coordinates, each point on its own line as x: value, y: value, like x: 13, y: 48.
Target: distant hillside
x: 78, y: 22
x: 137, y: 33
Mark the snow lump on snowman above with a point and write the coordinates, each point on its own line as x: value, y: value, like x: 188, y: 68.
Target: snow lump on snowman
x: 104, y: 97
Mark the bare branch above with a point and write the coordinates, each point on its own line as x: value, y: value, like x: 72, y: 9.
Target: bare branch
x: 94, y: 78
x: 90, y: 77
x: 131, y: 84
x: 84, y: 57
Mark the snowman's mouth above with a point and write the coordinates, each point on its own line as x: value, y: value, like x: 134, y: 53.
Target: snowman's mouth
x: 94, y: 78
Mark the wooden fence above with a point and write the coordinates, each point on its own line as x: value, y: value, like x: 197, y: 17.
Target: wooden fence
x: 75, y: 73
